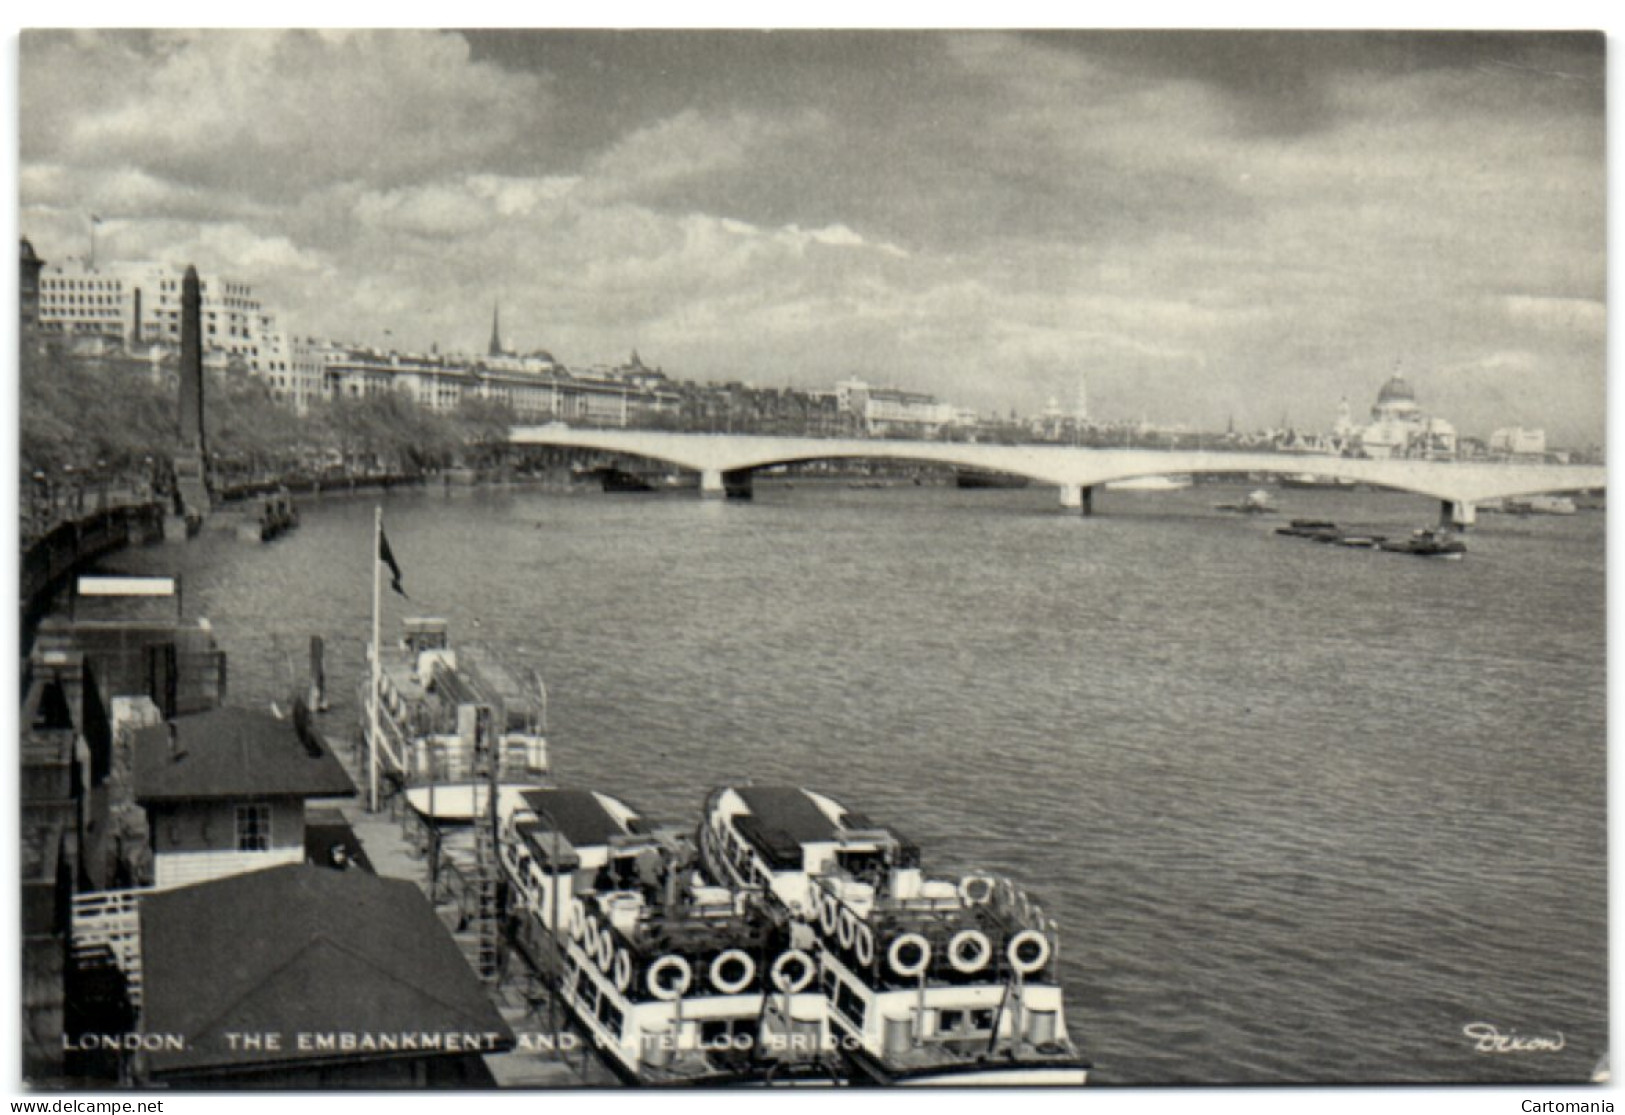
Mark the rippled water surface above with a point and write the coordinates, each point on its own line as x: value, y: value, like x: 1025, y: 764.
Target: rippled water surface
x: 1302, y: 812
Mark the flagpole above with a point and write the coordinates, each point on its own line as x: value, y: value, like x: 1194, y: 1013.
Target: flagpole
x: 377, y: 607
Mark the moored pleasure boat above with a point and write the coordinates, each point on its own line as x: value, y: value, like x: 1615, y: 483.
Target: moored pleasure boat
x: 444, y: 713
x: 674, y: 981
x: 927, y: 981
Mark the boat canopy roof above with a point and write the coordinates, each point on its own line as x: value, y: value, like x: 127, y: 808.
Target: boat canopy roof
x: 784, y: 819
x: 579, y: 815
x: 789, y: 810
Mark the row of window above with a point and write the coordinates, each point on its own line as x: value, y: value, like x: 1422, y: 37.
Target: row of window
x: 592, y: 1000
x: 845, y: 999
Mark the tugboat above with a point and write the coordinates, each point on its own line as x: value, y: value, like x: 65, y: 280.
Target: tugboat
x: 1255, y: 503
x: 1427, y: 542
x: 675, y: 981
x: 440, y: 709
x: 927, y: 981
x: 1318, y: 530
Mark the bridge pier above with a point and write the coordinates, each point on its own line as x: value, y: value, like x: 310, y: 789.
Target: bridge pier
x: 1457, y: 514
x: 716, y: 483
x: 1078, y: 496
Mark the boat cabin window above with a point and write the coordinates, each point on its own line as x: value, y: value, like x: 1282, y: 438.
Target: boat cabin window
x: 867, y: 866
x: 850, y: 1003
x: 588, y: 990
x: 610, y: 1015
x: 981, y: 1020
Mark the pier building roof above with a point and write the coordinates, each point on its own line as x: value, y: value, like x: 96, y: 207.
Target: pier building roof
x: 234, y: 753
x: 302, y: 949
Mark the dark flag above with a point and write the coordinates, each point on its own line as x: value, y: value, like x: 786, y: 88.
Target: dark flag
x: 387, y: 556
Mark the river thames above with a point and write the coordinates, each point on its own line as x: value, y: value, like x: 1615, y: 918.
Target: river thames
x: 1303, y: 813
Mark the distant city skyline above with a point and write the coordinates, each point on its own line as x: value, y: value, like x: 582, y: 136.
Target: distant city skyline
x: 1206, y: 225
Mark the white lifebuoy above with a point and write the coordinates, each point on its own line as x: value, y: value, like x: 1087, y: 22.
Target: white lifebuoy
x: 1007, y: 892
x: 898, y: 961
x: 865, y: 946
x: 747, y: 971
x: 590, y: 941
x: 787, y: 983
x: 680, y: 981
x: 578, y: 919
x: 606, y: 950
x: 623, y: 971
x: 1028, y: 951
x: 829, y: 912
x: 848, y: 931
x: 976, y: 890
x: 969, y: 951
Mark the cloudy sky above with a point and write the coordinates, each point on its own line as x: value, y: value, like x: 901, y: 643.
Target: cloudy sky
x: 1205, y: 225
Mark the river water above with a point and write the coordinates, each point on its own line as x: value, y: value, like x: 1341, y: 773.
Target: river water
x: 1303, y: 813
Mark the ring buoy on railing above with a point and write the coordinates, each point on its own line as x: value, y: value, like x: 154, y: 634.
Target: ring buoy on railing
x: 969, y: 951
x: 803, y: 967
x: 606, y: 950
x: 865, y: 947
x: 746, y: 971
x: 898, y: 955
x: 976, y: 890
x: 829, y: 912
x: 1007, y: 892
x: 623, y: 970
x: 1028, y: 951
x: 596, y: 943
x: 848, y: 930
x: 578, y: 919
x: 681, y: 977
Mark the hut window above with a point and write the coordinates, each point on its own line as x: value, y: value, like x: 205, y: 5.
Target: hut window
x: 253, y: 828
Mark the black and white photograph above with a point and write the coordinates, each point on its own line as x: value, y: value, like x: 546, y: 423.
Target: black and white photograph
x: 581, y: 559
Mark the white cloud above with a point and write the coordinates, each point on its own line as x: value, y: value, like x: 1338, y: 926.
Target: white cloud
x: 1565, y: 315
x: 266, y: 112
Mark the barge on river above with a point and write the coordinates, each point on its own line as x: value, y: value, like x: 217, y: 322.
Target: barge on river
x: 927, y: 981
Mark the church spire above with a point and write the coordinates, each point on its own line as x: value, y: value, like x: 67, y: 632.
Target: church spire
x: 496, y: 331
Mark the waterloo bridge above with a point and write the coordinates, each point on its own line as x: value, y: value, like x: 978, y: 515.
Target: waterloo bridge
x: 725, y: 463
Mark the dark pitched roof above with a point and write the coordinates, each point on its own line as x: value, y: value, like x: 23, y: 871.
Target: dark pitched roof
x: 301, y: 949
x: 233, y: 753
x: 581, y: 817
x: 789, y: 810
